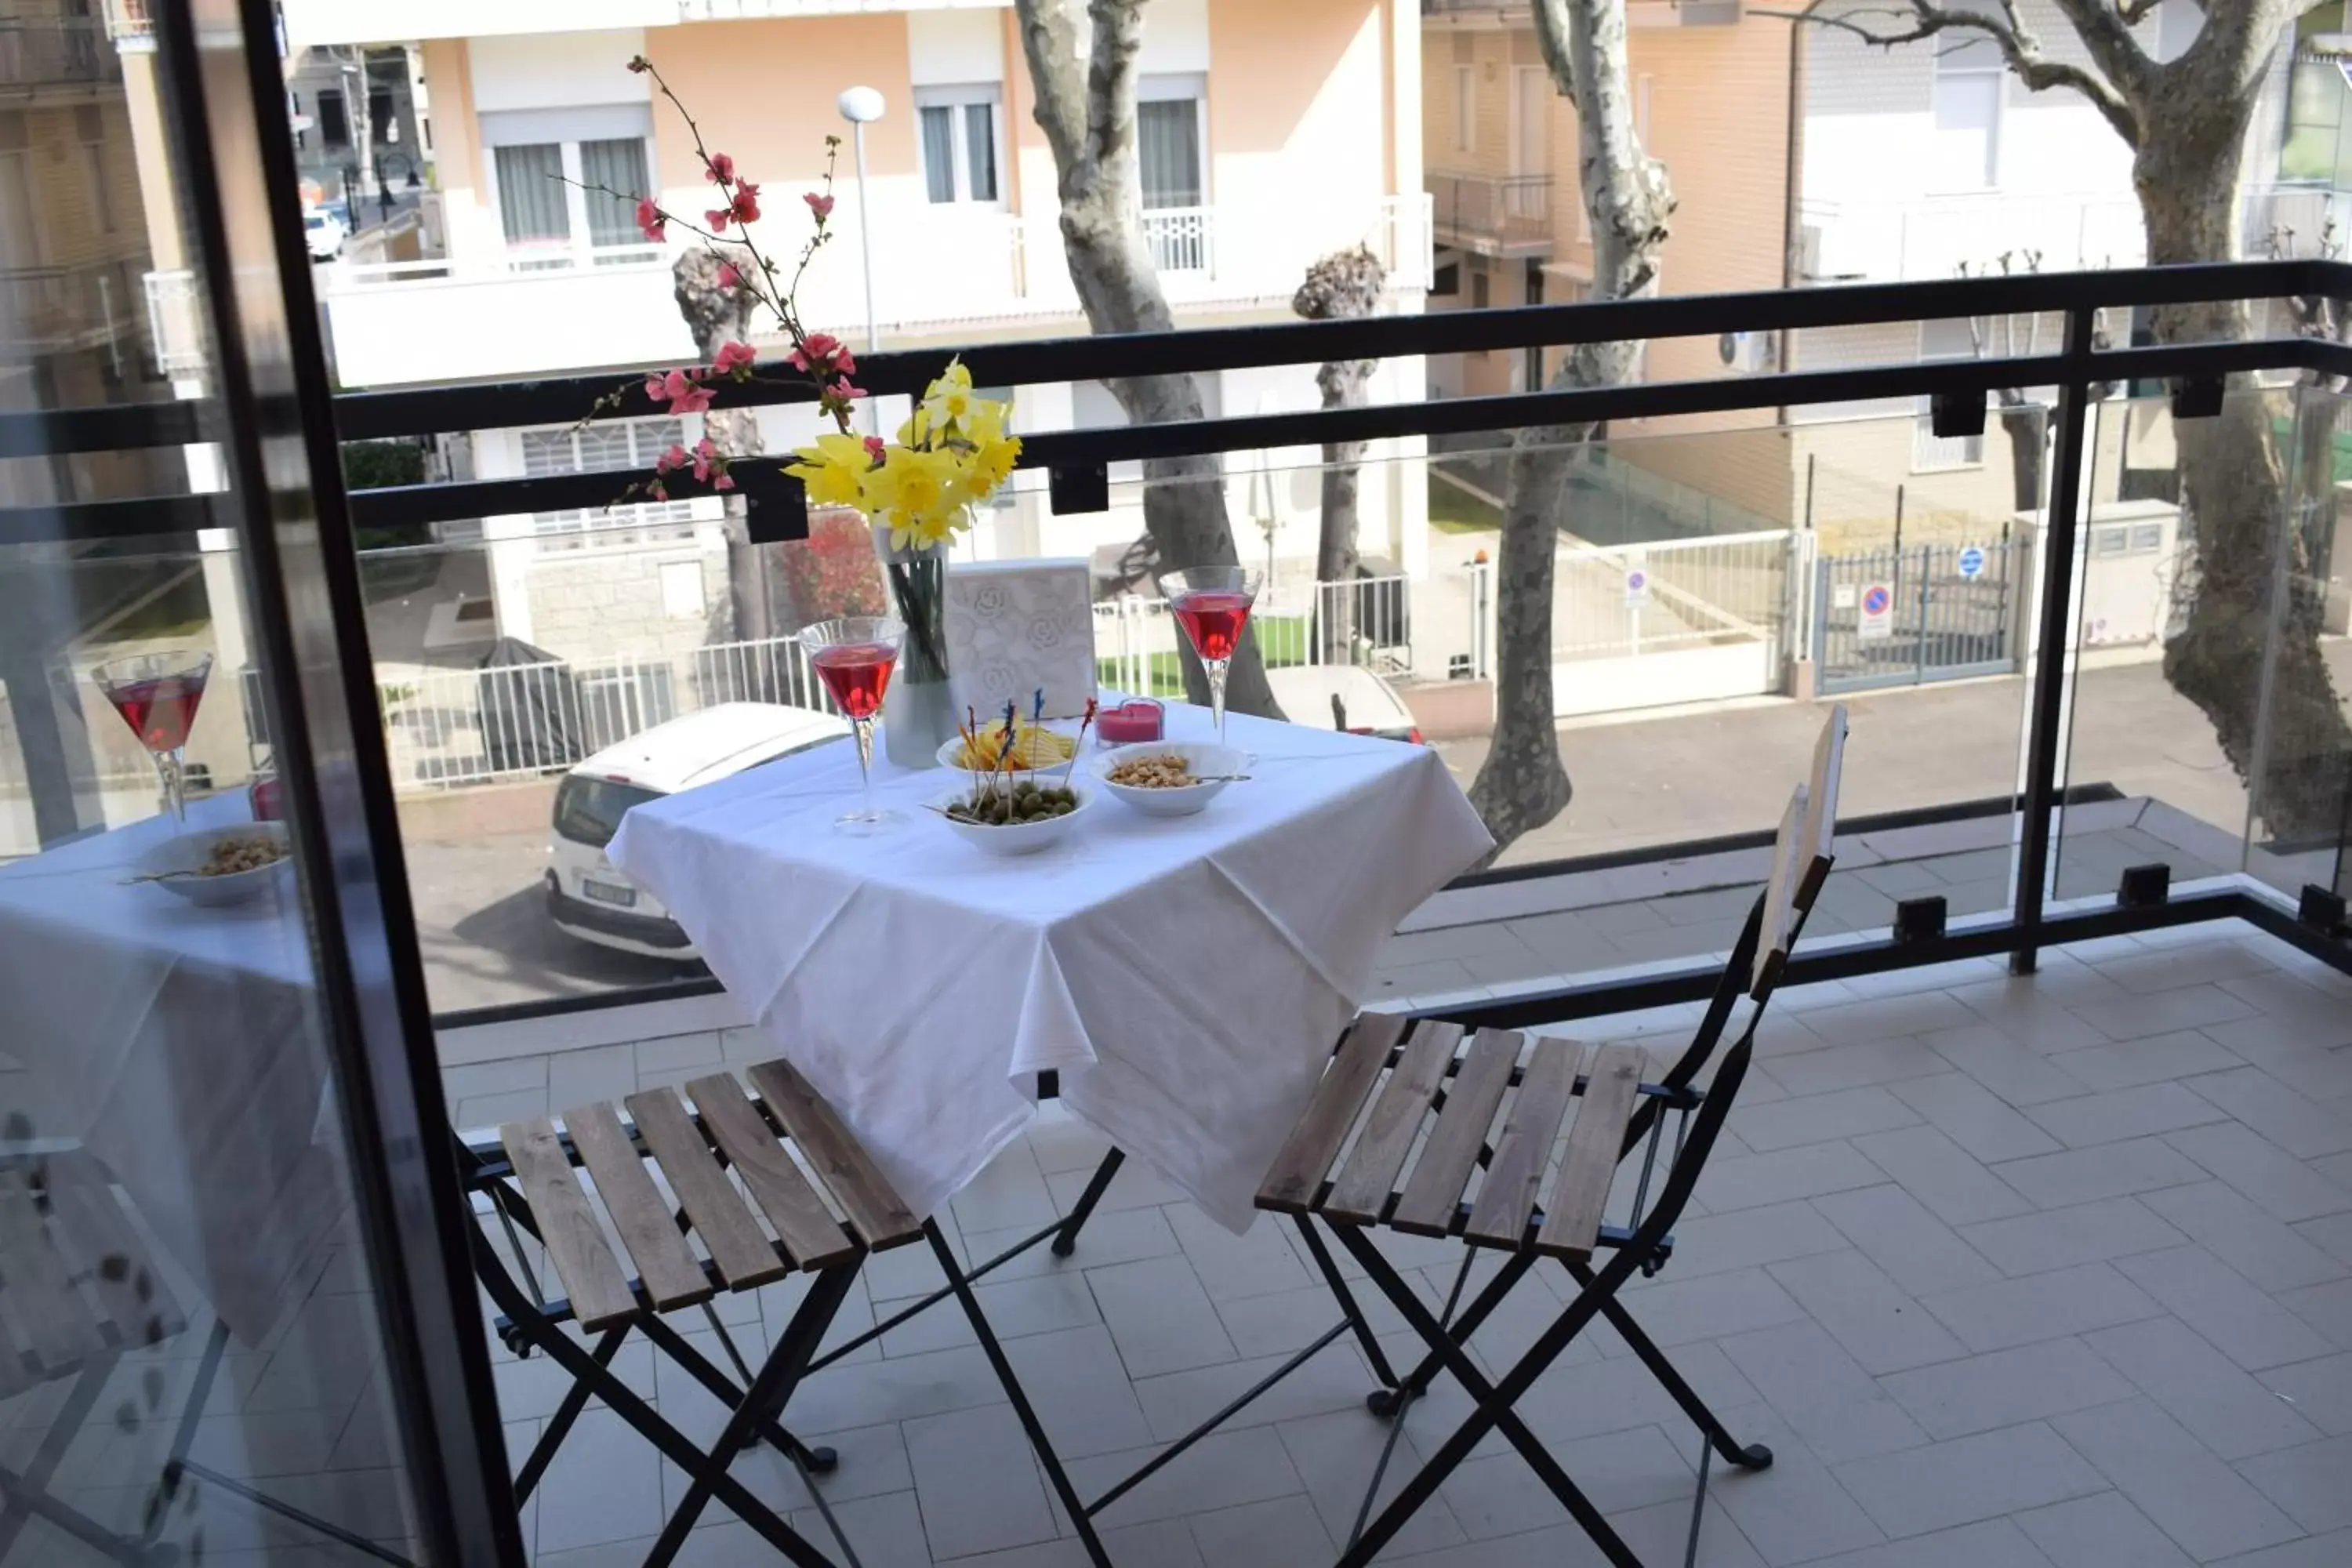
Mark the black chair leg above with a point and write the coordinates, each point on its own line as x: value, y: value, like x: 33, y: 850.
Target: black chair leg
x: 1494, y: 1410
x: 763, y: 1402
x: 1747, y: 1455
x: 1066, y: 1240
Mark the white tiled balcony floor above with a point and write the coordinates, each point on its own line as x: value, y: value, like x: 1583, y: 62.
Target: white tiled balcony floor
x: 2052, y: 1272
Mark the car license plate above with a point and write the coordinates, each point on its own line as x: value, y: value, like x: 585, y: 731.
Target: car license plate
x: 606, y: 893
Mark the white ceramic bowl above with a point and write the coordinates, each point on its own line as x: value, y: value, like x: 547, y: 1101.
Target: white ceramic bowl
x: 187, y: 851
x: 1201, y: 757
x: 951, y: 752
x: 1015, y: 838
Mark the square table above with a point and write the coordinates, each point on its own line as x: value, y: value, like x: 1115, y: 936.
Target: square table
x: 182, y: 1046
x: 1184, y: 976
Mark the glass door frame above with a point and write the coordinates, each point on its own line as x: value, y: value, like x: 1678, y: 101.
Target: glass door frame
x: 224, y: 108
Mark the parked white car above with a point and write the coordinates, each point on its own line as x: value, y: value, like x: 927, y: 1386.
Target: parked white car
x: 587, y: 896
x: 1370, y: 704
x: 325, y: 233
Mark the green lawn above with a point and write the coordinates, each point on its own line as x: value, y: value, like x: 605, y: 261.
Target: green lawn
x: 1281, y: 640
x: 1453, y: 509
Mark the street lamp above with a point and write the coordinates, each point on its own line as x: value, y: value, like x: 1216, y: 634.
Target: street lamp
x: 861, y: 106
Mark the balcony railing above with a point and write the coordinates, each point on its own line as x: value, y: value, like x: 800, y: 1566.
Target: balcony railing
x: 1707, y: 605
x: 1493, y: 215
x: 37, y: 54
x: 1938, y: 237
x: 48, y: 310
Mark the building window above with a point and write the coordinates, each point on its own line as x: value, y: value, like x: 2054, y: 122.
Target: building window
x: 334, y: 126
x: 959, y: 141
x: 90, y: 131
x: 1950, y: 338
x: 1465, y: 109
x: 1169, y: 151
x: 531, y: 203
x: 553, y: 196
x: 618, y: 164
x: 382, y: 124
x: 1970, y: 82
x: 629, y: 446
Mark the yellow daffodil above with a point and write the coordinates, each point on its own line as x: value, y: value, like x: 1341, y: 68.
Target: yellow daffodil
x: 952, y: 453
x: 948, y: 400
x: 834, y: 470
x: 919, y: 494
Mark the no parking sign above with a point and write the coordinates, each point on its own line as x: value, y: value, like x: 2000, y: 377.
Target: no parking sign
x: 1878, y: 612
x: 1972, y: 563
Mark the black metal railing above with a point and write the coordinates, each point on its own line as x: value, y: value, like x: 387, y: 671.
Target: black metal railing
x: 2080, y: 370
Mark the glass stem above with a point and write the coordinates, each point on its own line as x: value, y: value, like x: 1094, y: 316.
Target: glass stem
x: 863, y: 728
x: 168, y: 766
x: 1216, y: 669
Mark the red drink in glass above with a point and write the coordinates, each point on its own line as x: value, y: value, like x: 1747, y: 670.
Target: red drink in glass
x: 1213, y: 619
x: 1212, y: 604
x: 157, y: 694
x: 160, y: 710
x: 853, y: 657
x: 856, y: 674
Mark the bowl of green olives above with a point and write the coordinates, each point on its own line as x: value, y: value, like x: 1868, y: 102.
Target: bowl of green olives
x: 1016, y: 815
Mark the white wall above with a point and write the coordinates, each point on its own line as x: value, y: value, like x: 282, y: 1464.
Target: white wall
x: 312, y: 22
x: 1871, y: 141
x: 949, y: 48
x: 557, y: 70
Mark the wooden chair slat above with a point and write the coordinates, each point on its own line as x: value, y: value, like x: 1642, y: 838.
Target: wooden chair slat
x: 1780, y: 895
x: 87, y: 1217
x: 1297, y: 1172
x: 807, y: 1229
x: 1363, y: 1189
x: 730, y: 1235
x: 591, y: 1276
x: 1514, y: 1175
x: 1571, y: 1224
x: 1816, y: 844
x: 665, y: 1265
x: 55, y: 1325
x: 1433, y: 1189
x: 875, y: 1209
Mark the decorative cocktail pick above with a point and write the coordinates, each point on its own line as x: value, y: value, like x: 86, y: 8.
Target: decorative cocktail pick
x: 1084, y: 720
x: 1036, y: 722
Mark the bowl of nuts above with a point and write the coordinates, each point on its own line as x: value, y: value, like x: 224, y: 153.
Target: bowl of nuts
x: 217, y: 864
x: 1168, y: 778
x: 1014, y: 815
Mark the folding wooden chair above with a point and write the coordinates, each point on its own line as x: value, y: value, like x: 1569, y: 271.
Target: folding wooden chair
x: 1410, y: 1100
x: 827, y: 1209
x: 1752, y: 972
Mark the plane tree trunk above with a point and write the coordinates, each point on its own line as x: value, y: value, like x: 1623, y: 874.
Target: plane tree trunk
x: 1344, y: 286
x: 1087, y: 113
x: 1628, y: 199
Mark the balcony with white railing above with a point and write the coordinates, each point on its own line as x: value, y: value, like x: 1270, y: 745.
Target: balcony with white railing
x: 536, y: 311
x: 1937, y: 237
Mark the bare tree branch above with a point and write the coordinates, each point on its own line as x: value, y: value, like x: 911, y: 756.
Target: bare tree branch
x: 2114, y: 90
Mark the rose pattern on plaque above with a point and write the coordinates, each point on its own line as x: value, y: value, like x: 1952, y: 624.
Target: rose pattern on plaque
x: 1017, y: 626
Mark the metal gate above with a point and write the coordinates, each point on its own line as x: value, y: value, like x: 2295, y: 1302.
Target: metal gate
x: 1928, y: 612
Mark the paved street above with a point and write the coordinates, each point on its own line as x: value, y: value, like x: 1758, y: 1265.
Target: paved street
x: 1642, y: 780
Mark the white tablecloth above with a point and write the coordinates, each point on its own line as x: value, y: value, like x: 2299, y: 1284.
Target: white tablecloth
x: 182, y: 1046
x: 1187, y: 976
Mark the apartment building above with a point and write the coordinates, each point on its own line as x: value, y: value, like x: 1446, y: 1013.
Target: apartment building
x: 1268, y: 136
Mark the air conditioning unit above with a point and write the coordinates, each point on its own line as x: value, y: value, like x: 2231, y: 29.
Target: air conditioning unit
x: 1747, y: 352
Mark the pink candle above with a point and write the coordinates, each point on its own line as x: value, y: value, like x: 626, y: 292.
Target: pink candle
x: 1136, y: 719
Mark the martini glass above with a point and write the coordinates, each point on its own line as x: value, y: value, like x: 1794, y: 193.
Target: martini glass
x: 853, y: 657
x: 1212, y: 604
x: 157, y: 694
